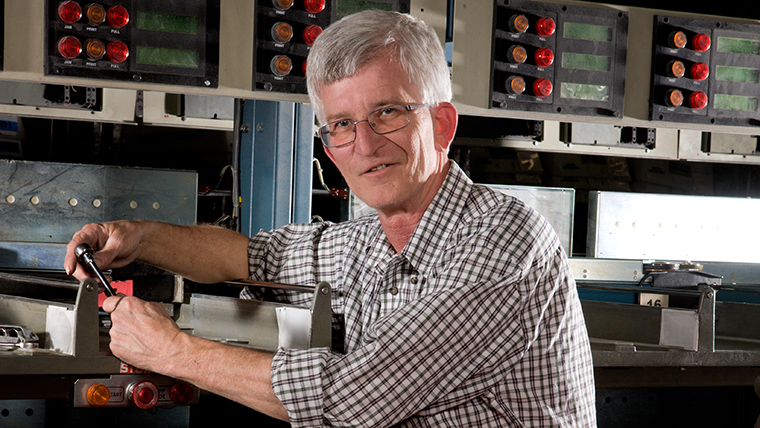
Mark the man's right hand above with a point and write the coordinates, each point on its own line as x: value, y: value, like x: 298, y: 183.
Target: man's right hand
x: 114, y: 244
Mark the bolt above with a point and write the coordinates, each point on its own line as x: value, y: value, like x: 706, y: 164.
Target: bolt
x: 259, y: 127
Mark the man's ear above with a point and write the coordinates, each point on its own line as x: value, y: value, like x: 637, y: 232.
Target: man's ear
x: 445, y: 119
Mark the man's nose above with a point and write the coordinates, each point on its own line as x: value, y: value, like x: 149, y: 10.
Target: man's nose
x: 367, y: 140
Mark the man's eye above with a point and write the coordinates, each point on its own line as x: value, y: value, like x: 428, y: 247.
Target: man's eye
x: 388, y: 111
x: 342, y: 124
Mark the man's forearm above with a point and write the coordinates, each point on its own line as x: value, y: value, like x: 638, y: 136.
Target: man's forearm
x: 240, y: 374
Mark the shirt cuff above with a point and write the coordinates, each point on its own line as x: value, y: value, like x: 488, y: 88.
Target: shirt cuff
x: 297, y: 383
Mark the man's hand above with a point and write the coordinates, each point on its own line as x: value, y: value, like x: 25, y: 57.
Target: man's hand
x: 116, y: 244
x: 142, y: 333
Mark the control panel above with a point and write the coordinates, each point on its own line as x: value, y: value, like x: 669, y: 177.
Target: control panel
x: 134, y: 40
x: 285, y: 31
x: 143, y: 391
x: 557, y: 58
x: 705, y: 72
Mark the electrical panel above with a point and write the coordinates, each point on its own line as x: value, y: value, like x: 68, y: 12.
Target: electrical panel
x: 134, y: 40
x: 557, y: 58
x: 705, y: 72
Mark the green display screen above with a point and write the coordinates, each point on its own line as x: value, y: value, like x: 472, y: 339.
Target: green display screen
x: 168, y: 23
x: 597, y: 33
x: 347, y: 7
x: 580, y: 91
x: 725, y: 73
x: 167, y: 57
x: 734, y: 102
x: 577, y: 61
x: 743, y: 46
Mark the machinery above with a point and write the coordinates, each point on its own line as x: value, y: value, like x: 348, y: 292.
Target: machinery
x: 631, y: 126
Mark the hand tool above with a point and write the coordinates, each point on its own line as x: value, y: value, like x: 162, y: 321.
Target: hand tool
x: 84, y: 254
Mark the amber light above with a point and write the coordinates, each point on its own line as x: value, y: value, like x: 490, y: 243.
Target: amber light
x: 69, y: 47
x: 515, y: 85
x: 676, y: 68
x: 677, y: 39
x: 699, y: 71
x: 282, y: 4
x: 542, y: 88
x: 544, y: 57
x: 117, y: 52
x: 311, y: 33
x: 314, y: 6
x: 517, y: 54
x: 70, y: 12
x: 701, y: 42
x: 545, y: 27
x: 117, y: 16
x: 95, y: 48
x: 98, y: 395
x: 282, y: 32
x: 281, y: 65
x: 674, y: 98
x: 698, y: 100
x: 96, y: 14
x: 518, y: 23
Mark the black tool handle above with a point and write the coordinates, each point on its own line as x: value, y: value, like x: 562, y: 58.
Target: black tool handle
x: 84, y: 254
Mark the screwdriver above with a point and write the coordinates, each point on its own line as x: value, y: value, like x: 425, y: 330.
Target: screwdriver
x: 84, y: 254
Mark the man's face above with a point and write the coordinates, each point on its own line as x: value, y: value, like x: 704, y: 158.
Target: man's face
x: 395, y: 172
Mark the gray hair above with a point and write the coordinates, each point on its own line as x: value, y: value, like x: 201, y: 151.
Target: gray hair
x: 356, y: 40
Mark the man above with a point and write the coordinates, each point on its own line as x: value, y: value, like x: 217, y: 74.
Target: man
x: 459, y: 305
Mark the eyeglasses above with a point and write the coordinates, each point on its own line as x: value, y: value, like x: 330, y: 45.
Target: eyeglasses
x: 383, y: 121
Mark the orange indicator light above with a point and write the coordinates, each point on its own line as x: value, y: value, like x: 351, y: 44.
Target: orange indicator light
x: 70, y: 11
x: 96, y: 14
x: 98, y: 395
x: 515, y: 85
x: 674, y: 98
x: 676, y: 68
x: 281, y: 65
x: 701, y: 42
x: 282, y: 32
x: 282, y: 4
x: 518, y: 23
x: 95, y: 48
x: 677, y: 40
x: 517, y: 54
x: 69, y: 47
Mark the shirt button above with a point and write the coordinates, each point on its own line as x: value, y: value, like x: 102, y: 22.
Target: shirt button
x: 393, y: 290
x: 414, y: 280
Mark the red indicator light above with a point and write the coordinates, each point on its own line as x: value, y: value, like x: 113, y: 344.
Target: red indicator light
x: 144, y: 395
x: 698, y: 100
x: 545, y: 27
x: 117, y: 16
x: 674, y: 98
x: 699, y: 71
x: 95, y: 49
x: 181, y: 393
x: 281, y: 65
x: 517, y: 54
x: 544, y: 57
x: 70, y: 12
x: 701, y: 42
x: 96, y: 14
x: 518, y: 23
x: 676, y: 69
x: 542, y: 88
x: 69, y: 47
x: 311, y: 33
x: 117, y: 52
x: 515, y: 85
x: 303, y: 67
x: 677, y: 39
x: 314, y: 6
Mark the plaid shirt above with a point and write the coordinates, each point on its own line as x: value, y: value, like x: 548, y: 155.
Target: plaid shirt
x: 476, y: 322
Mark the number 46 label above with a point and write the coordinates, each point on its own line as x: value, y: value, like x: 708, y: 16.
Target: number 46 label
x: 657, y: 300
